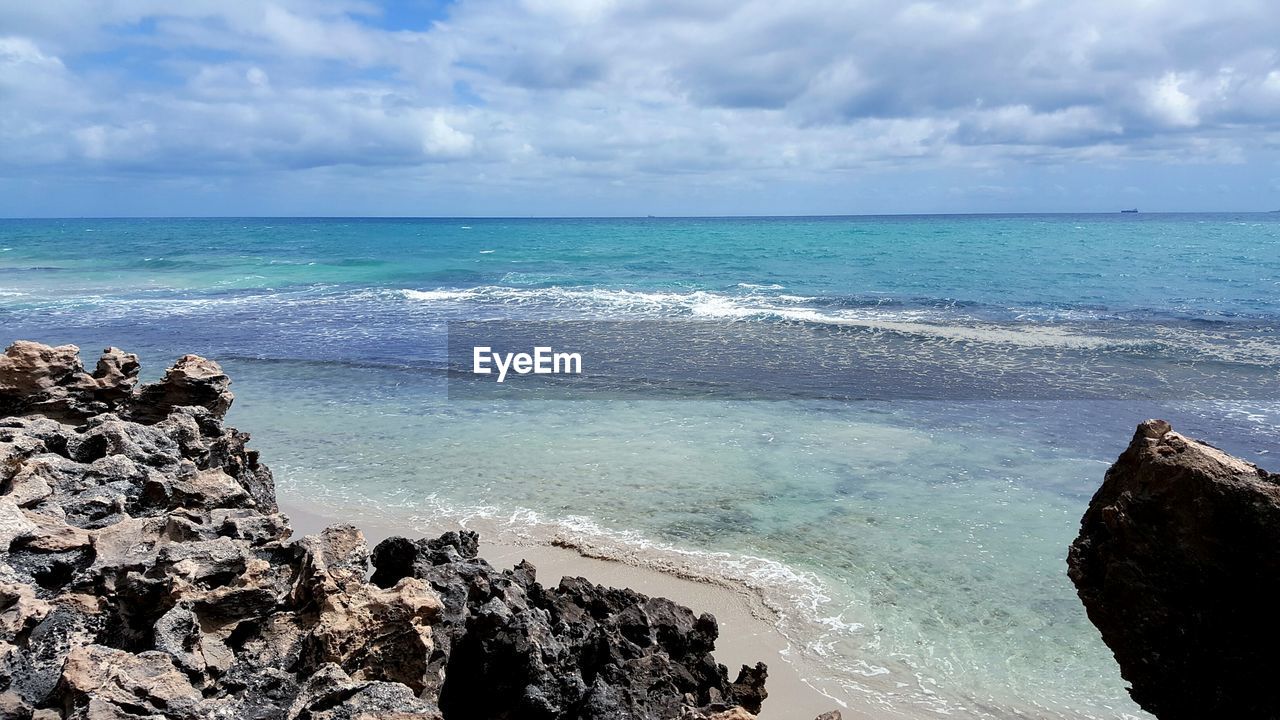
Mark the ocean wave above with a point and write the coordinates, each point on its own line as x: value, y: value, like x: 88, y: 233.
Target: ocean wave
x: 944, y: 325
x: 628, y: 304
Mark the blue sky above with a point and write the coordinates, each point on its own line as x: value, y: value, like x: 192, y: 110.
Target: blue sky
x: 609, y: 107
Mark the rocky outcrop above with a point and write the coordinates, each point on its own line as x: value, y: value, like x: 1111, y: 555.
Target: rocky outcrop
x: 145, y: 572
x: 508, y: 647
x: 1178, y: 565
x: 51, y: 381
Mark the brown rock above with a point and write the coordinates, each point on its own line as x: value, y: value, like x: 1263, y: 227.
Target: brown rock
x: 145, y: 574
x: 371, y: 632
x: 47, y: 380
x: 378, y: 634
x: 29, y: 368
x: 192, y: 381
x: 1178, y: 565
x: 736, y: 713
x: 14, y: 706
x: 13, y: 523
x: 142, y: 684
x: 116, y: 375
x: 20, y: 609
x: 127, y: 545
x: 50, y: 534
x: 334, y: 560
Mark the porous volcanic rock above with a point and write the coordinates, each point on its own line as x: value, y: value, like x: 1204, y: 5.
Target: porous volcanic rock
x: 1178, y: 565
x: 146, y: 572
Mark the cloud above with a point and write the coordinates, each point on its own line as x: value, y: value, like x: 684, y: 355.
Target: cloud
x: 525, y: 92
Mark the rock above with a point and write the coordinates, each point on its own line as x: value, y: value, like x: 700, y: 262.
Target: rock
x: 51, y: 381
x: 30, y: 370
x: 146, y: 572
x: 35, y: 377
x: 1178, y: 565
x: 116, y: 375
x: 71, y: 621
x: 748, y: 690
x: 13, y: 706
x: 127, y: 684
x: 53, y: 535
x: 192, y: 381
x: 517, y: 649
x: 20, y: 609
x: 372, y: 633
x: 332, y: 562
x: 13, y: 523
x: 330, y: 694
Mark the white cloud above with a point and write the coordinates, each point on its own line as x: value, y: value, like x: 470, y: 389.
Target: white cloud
x: 1170, y: 104
x: 524, y: 90
x: 441, y: 140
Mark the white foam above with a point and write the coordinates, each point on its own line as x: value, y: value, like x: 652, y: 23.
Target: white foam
x: 710, y: 305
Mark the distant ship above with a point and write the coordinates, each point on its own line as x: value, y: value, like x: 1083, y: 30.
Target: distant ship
x: 1130, y: 211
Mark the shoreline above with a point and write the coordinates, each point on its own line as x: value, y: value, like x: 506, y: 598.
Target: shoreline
x: 748, y: 627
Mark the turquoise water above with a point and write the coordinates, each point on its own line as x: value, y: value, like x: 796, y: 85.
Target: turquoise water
x: 913, y: 544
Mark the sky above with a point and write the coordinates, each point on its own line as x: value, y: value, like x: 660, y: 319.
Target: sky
x: 637, y: 107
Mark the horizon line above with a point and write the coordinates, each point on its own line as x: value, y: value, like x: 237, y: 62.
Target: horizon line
x: 633, y: 217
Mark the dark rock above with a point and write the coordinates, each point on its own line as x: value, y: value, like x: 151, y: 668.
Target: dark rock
x: 1178, y: 565
x: 330, y: 694
x: 517, y: 649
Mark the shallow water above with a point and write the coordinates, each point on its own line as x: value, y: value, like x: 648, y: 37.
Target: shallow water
x: 915, y: 543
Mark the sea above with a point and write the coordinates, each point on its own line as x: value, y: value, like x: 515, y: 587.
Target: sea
x: 905, y: 419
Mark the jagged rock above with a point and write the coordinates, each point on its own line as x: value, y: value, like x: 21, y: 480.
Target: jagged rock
x: 71, y: 621
x: 1178, y: 565
x: 330, y: 694
x: 116, y: 375
x: 13, y: 523
x: 14, y: 706
x: 252, y: 527
x: 96, y: 678
x: 28, y: 370
x: 145, y: 572
x: 51, y: 381
x: 192, y: 381
x: 399, y: 557
x: 44, y: 379
x: 373, y: 633
x: 517, y: 649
